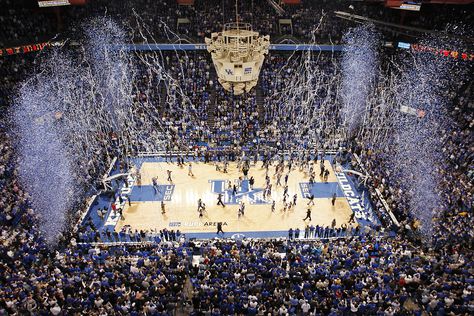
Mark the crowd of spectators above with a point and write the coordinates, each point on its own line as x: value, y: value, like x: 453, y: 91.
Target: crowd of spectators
x: 281, y: 82
x: 77, y: 281
x: 24, y: 23
x: 210, y: 116
x: 358, y: 275
x: 13, y: 199
x: 457, y: 169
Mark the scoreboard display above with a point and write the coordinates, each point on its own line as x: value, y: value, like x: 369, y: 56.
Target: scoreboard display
x: 414, y: 5
x: 410, y: 5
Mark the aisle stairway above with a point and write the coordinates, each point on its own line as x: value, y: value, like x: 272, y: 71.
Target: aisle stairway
x: 211, y: 117
x: 163, y: 95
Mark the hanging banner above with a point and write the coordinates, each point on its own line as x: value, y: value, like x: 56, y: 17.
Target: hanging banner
x: 443, y: 52
x: 24, y: 49
x: 178, y: 47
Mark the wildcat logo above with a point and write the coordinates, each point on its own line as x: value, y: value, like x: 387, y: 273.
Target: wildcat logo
x: 244, y: 193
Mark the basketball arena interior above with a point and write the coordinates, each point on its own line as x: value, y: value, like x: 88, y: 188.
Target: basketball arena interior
x: 236, y: 157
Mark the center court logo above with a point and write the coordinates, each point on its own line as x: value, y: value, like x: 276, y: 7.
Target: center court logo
x: 244, y: 194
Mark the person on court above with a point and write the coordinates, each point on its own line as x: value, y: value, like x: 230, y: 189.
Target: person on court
x: 202, y: 209
x: 226, y: 164
x: 169, y: 175
x: 351, y: 218
x: 139, y: 178
x: 163, y: 210
x: 326, y: 175
x: 273, y: 206
x: 219, y: 228
x: 154, y: 180
x: 311, y: 200
x: 308, y: 215
x: 190, y: 170
x: 242, y: 209
x: 251, y: 182
x: 101, y: 214
x: 333, y: 201
x: 278, y: 182
x: 219, y: 200
x: 120, y: 211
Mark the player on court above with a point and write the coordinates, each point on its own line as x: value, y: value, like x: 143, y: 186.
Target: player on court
x: 219, y: 200
x: 308, y: 215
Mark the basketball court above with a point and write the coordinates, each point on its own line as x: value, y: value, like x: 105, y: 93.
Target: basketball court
x: 181, y: 196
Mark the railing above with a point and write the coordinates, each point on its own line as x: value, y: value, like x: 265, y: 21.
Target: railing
x: 199, y: 241
x: 234, y: 26
x: 181, y: 153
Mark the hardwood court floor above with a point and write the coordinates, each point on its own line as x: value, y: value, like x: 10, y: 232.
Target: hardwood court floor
x: 181, y: 210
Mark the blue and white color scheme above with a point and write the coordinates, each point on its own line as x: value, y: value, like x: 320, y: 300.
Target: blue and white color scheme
x: 111, y: 218
x: 146, y: 193
x: 359, y: 203
x: 244, y: 194
x: 320, y: 190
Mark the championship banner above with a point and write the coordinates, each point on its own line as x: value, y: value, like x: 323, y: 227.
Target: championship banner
x: 23, y: 49
x: 443, y: 52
